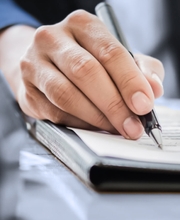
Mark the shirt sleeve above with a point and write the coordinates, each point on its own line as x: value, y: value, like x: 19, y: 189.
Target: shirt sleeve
x: 12, y: 14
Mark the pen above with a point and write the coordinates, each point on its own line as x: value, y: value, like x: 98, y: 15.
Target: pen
x: 150, y: 122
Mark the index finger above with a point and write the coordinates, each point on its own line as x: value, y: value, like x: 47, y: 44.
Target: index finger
x: 95, y: 38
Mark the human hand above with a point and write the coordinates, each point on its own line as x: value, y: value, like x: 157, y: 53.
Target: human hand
x: 77, y: 74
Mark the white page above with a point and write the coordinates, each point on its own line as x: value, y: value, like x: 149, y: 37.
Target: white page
x: 144, y: 149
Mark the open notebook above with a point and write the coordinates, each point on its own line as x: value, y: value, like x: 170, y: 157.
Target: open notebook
x: 144, y: 149
x: 110, y: 162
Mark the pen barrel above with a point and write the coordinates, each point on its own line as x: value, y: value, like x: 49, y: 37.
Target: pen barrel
x: 106, y: 14
x: 150, y: 122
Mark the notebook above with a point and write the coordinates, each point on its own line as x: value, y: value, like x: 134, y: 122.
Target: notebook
x: 110, y: 162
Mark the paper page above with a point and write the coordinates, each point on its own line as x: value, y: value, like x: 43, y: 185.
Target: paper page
x: 144, y: 149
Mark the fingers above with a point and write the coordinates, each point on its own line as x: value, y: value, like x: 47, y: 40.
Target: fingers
x: 132, y: 85
x: 44, y: 109
x: 63, y: 95
x: 92, y: 73
x: 84, y: 71
x: 153, y: 71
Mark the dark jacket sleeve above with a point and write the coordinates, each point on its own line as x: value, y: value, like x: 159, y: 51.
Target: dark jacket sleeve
x: 12, y: 14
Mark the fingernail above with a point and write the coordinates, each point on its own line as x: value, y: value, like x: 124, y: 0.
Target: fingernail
x: 133, y: 127
x: 155, y: 77
x: 141, y: 103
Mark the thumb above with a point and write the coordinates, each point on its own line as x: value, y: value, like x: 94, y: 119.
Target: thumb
x: 153, y: 70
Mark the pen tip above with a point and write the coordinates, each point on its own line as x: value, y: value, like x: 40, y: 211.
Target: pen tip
x: 160, y: 146
x: 156, y: 136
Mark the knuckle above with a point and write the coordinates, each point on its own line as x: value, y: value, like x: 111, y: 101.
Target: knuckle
x: 62, y: 96
x: 82, y: 67
x: 46, y: 84
x: 79, y: 17
x: 44, y: 34
x: 26, y: 67
x: 115, y: 106
x: 128, y: 79
x: 24, y: 63
x: 108, y: 51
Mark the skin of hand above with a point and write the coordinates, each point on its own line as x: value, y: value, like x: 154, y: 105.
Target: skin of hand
x: 77, y: 74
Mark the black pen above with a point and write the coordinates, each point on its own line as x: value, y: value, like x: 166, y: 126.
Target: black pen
x: 151, y: 125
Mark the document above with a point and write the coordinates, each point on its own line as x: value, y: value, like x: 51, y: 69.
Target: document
x: 108, y: 145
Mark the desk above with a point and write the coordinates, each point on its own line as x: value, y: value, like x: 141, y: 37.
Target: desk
x: 46, y: 190
x: 51, y: 191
